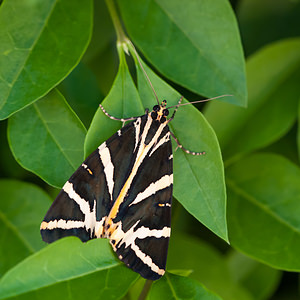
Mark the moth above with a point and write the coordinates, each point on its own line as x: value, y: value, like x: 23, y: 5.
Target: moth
x: 123, y: 192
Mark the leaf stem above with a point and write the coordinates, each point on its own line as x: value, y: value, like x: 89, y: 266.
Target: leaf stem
x: 121, y: 37
x: 145, y: 290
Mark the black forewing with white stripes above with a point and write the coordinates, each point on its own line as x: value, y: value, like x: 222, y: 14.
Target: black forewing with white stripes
x: 146, y: 211
x: 84, y: 201
x: 122, y: 191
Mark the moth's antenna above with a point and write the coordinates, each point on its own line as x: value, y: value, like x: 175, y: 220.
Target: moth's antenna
x: 140, y: 63
x: 204, y: 100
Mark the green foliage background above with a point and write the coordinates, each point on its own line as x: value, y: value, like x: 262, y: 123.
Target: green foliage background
x: 235, y: 234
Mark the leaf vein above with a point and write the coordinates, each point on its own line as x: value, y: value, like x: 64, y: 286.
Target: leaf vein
x: 239, y: 191
x: 11, y: 226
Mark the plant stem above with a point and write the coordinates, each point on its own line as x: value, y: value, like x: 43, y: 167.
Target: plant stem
x: 145, y: 290
x: 121, y: 37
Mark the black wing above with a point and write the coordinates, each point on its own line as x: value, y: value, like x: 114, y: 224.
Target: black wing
x: 85, y: 200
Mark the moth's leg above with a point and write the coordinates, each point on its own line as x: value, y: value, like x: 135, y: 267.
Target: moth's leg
x: 117, y: 119
x: 184, y: 149
x: 175, y: 110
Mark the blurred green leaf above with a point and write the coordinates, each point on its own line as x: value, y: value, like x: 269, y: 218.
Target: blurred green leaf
x: 69, y: 269
x: 41, y: 42
x: 47, y: 138
x: 208, y: 266
x: 9, y: 168
x: 263, y: 22
x: 263, y: 209
x: 136, y: 289
x: 122, y: 102
x: 273, y: 85
x: 181, y: 272
x: 286, y: 146
x: 298, y: 133
x: 102, y: 27
x: 260, y: 280
x: 173, y: 286
x: 101, y: 56
x: 179, y: 38
x: 82, y: 91
x: 22, y: 206
x: 198, y: 180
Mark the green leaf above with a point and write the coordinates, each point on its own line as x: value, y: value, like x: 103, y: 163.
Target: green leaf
x: 260, y: 280
x: 263, y: 209
x: 179, y: 38
x: 103, y: 34
x: 262, y: 22
x: 122, y: 101
x: 9, y: 168
x: 101, y: 54
x: 136, y: 289
x: 47, y: 138
x: 173, y: 286
x: 181, y: 272
x: 69, y: 269
x: 41, y: 42
x: 207, y: 264
x: 82, y: 91
x: 273, y: 85
x: 286, y: 146
x: 198, y: 180
x: 298, y: 133
x: 22, y: 206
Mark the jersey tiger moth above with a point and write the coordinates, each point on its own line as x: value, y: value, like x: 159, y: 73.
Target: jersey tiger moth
x: 123, y: 191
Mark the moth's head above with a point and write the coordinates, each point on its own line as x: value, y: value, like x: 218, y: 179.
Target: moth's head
x: 159, y: 112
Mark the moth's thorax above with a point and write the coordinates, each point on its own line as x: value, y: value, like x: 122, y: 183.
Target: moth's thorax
x: 160, y: 112
x: 155, y: 129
